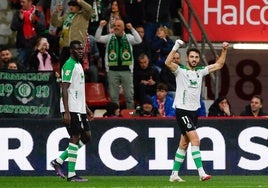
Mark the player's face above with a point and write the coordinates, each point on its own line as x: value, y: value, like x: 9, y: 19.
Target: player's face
x: 78, y: 51
x: 193, y: 59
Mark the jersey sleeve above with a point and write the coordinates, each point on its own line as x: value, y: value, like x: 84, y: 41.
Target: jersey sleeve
x: 67, y: 72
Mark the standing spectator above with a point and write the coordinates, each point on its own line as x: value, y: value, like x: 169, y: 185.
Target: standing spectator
x: 74, y: 25
x: 161, y: 46
x: 29, y: 23
x: 220, y: 107
x: 147, y: 108
x: 145, y: 78
x: 117, y: 11
x: 91, y: 58
x: 168, y: 77
x: 53, y: 7
x: 143, y: 48
x: 97, y: 12
x: 5, y: 57
x: 157, y: 13
x: 187, y: 101
x: 76, y: 114
x: 135, y: 11
x: 254, y: 108
x: 119, y: 59
x: 42, y: 58
x: 162, y: 101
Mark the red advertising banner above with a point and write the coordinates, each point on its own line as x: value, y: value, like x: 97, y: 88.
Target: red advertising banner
x: 230, y: 20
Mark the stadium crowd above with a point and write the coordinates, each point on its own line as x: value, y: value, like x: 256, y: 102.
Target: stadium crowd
x: 45, y: 28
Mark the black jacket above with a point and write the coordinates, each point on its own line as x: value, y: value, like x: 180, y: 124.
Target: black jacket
x: 248, y: 112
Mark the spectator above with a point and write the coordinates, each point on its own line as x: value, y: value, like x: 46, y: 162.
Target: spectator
x: 162, y: 101
x: 53, y: 6
x: 112, y: 110
x: 117, y: 11
x: 91, y: 58
x: 12, y: 65
x: 157, y: 13
x: 161, y: 46
x: 119, y: 59
x: 42, y: 58
x: 254, y: 108
x: 220, y: 107
x: 201, y: 111
x: 98, y: 9
x: 145, y: 78
x: 135, y: 11
x: 147, y: 109
x: 29, y: 23
x: 74, y: 25
x: 143, y: 47
x: 168, y: 77
x: 5, y: 57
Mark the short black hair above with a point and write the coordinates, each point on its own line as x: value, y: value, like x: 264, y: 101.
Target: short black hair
x: 193, y: 49
x: 74, y: 42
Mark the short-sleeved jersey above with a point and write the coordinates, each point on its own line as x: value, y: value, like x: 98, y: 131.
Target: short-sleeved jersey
x: 188, y: 87
x: 73, y: 73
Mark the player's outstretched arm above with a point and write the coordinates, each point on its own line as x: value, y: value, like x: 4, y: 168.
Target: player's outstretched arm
x: 169, y: 59
x: 221, y: 60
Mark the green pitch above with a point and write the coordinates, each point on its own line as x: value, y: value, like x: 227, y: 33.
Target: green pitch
x: 134, y: 182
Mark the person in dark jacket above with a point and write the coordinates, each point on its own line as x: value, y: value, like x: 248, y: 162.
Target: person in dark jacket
x: 112, y: 110
x: 145, y: 78
x: 157, y: 13
x: 254, y: 108
x: 147, y: 109
x: 220, y: 107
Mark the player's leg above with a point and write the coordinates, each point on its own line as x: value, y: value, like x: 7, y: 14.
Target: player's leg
x: 179, y: 158
x: 75, y: 130
x: 195, y: 142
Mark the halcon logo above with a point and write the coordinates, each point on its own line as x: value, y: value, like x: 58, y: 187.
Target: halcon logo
x: 254, y: 14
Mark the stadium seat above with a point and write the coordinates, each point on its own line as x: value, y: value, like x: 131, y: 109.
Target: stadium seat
x: 95, y: 95
x: 127, y: 113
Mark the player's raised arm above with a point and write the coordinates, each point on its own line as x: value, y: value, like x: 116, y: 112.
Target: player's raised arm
x: 221, y: 60
x: 173, y: 66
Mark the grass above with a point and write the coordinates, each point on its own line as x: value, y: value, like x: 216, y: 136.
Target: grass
x: 134, y: 182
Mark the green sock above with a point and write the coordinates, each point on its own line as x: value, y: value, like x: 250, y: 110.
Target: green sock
x: 179, y: 158
x: 197, y: 157
x: 72, y: 155
x: 64, y: 154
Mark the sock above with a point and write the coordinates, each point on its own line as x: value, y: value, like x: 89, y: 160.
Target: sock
x: 72, y: 155
x: 64, y: 154
x: 179, y: 158
x: 197, y: 160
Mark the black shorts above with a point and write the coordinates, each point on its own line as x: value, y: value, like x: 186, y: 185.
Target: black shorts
x: 79, y: 124
x: 187, y: 120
